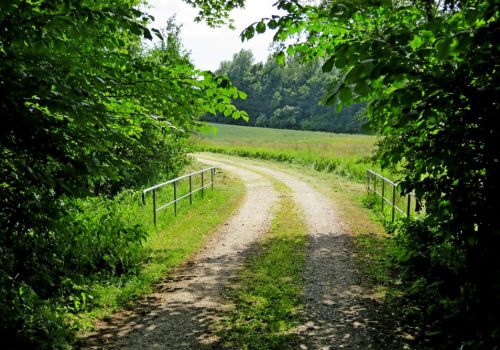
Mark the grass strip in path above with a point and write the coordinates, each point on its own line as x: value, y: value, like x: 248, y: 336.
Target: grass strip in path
x: 267, y: 294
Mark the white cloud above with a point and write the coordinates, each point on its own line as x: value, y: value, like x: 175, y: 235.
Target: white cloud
x: 210, y: 46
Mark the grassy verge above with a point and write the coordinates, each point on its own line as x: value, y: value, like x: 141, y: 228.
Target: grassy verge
x: 174, y: 240
x: 267, y: 293
x: 345, y: 167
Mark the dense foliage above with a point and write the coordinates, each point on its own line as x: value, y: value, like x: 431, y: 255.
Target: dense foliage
x: 87, y: 111
x: 430, y: 73
x: 287, y: 96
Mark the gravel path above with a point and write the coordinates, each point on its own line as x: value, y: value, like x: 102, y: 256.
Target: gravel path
x: 180, y: 313
x: 339, y: 310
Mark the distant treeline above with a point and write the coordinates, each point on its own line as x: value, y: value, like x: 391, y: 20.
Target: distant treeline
x: 287, y: 96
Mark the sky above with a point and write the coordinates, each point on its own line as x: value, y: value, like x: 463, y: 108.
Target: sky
x: 210, y: 46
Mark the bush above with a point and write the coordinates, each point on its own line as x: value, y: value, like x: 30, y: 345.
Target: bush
x: 26, y: 321
x: 441, y: 295
x: 44, y: 275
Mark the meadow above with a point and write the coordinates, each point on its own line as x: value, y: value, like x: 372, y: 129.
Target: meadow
x: 342, y: 154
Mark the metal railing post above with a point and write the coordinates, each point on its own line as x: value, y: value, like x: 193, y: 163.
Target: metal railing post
x: 393, y: 202
x: 202, y: 185
x: 212, y: 177
x: 368, y: 182
x: 190, y: 190
x: 154, y: 207
x: 383, y: 194
x: 175, y: 198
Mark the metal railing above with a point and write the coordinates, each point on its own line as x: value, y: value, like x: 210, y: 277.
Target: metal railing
x: 157, y: 207
x: 382, y: 186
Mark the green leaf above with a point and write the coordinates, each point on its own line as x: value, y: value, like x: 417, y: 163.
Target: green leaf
x: 280, y: 57
x: 248, y: 33
x: 157, y: 33
x: 416, y: 42
x: 328, y: 66
x: 260, y: 27
x: 362, y: 88
x: 443, y: 48
x: 361, y: 71
x: 272, y: 24
x: 345, y: 95
x: 147, y: 33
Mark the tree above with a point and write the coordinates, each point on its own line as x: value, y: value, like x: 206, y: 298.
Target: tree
x: 285, y: 118
x: 85, y: 110
x: 429, y: 71
x: 271, y: 87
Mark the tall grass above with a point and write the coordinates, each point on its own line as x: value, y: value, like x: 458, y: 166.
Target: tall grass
x: 341, y: 154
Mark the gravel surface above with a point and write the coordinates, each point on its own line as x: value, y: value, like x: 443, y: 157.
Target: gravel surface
x: 340, y: 312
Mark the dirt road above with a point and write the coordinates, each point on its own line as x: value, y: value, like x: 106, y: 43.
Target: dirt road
x: 339, y: 312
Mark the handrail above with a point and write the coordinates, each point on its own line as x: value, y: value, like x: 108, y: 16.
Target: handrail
x: 382, y: 177
x: 370, y: 174
x: 174, y: 183
x: 175, y: 180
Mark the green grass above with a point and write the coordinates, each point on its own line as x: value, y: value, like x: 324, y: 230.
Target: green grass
x: 171, y: 243
x: 342, y: 154
x: 267, y: 294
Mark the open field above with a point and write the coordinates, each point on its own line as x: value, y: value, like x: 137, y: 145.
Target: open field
x: 343, y: 154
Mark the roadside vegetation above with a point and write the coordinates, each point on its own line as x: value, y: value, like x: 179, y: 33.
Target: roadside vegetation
x: 173, y: 241
x: 341, y: 154
x: 266, y: 295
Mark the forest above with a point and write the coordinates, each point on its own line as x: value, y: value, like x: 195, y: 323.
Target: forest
x: 287, y: 96
x: 91, y: 115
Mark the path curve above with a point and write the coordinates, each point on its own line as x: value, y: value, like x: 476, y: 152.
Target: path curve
x: 180, y: 314
x: 340, y: 312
